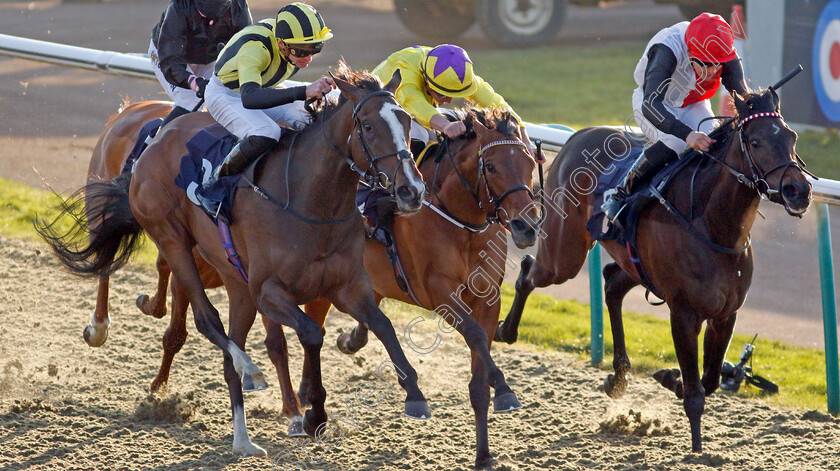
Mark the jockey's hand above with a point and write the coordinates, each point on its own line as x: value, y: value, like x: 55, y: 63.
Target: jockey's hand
x: 198, y: 84
x: 698, y: 140
x: 320, y: 87
x: 454, y: 129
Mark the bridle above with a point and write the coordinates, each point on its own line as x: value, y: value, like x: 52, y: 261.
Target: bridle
x: 373, y: 177
x: 758, y: 180
x: 495, y: 215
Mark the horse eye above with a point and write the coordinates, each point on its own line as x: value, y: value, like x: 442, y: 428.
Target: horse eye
x: 490, y: 168
x: 367, y: 126
x: 755, y: 143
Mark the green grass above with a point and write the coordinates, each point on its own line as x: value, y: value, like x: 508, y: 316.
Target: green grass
x: 582, y: 86
x: 21, y: 204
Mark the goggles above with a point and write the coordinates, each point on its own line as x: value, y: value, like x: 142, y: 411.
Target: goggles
x: 704, y: 63
x: 301, y: 51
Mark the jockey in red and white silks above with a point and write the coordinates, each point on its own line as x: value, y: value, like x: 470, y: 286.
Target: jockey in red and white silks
x: 681, y: 69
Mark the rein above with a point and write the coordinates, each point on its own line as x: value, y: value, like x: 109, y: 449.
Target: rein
x: 758, y: 181
x: 371, y: 178
x: 491, y: 217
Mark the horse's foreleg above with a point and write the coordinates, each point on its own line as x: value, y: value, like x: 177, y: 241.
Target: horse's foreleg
x: 684, y: 330
x: 715, y: 343
x: 278, y: 352
x: 508, y: 330
x: 617, y: 284
x: 317, y: 310
x: 480, y: 402
x: 358, y: 301
x: 175, y: 336
x: 353, y: 341
x: 274, y: 302
x: 96, y: 333
x: 156, y: 305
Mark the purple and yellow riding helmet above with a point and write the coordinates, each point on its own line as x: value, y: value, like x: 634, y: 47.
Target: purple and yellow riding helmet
x: 448, y: 71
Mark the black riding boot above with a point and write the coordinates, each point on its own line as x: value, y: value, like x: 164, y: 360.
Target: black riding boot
x: 238, y: 159
x: 652, y: 159
x: 176, y: 111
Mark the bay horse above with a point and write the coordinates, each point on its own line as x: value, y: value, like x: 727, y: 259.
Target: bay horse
x: 107, y: 162
x: 702, y: 268
x: 293, y: 252
x: 454, y: 250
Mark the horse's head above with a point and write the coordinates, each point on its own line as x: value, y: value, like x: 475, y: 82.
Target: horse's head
x: 506, y: 171
x: 768, y: 147
x: 380, y: 144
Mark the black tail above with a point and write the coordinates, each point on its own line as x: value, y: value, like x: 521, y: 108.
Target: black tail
x: 104, y: 233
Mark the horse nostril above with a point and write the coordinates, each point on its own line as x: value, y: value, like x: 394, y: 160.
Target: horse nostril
x: 406, y: 192
x: 790, y: 191
x: 521, y: 226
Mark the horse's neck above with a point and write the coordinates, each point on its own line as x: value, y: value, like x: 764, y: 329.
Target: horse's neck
x: 452, y: 194
x: 731, y: 207
x: 320, y: 182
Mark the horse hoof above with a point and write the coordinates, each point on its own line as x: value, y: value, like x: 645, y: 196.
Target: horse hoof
x: 249, y: 449
x: 418, y: 410
x: 613, y: 387
x: 296, y: 427
x: 93, y: 337
x: 254, y: 382
x: 485, y: 464
x: 343, y: 342
x: 142, y: 301
x: 506, y: 403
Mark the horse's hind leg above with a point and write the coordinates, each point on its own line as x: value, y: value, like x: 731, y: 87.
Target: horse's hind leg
x: 175, y: 336
x: 96, y: 333
x: 617, y: 284
x: 156, y: 305
x: 715, y: 343
x: 241, y: 319
x: 278, y: 352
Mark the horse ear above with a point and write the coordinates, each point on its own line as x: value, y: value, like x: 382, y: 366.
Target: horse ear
x: 740, y: 104
x: 394, y: 82
x: 349, y: 90
x: 480, y: 129
x: 776, y: 100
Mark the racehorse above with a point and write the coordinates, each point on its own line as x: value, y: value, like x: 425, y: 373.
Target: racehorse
x: 107, y: 162
x: 700, y: 266
x: 293, y: 251
x: 454, y: 250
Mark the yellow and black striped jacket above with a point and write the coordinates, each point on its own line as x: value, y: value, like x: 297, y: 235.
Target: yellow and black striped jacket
x: 252, y: 55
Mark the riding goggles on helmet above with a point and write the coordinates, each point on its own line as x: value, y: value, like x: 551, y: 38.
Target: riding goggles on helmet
x: 307, y: 50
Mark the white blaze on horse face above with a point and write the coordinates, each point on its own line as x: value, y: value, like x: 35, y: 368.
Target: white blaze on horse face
x: 390, y: 114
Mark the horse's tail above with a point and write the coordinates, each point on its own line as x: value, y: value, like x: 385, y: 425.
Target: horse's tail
x: 104, y: 234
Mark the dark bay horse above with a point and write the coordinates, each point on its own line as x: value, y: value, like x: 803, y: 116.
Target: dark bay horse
x: 294, y: 250
x: 107, y: 161
x: 703, y: 271
x: 454, y: 259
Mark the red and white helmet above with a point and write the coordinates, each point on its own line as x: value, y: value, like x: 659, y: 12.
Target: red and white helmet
x: 710, y: 39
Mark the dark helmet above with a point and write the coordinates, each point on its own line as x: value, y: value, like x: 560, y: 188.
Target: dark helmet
x: 212, y: 8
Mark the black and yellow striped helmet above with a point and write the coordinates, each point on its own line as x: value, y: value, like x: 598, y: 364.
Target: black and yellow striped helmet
x: 299, y: 23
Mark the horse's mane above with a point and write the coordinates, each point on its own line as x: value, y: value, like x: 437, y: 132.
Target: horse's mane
x: 496, y: 118
x: 361, y: 78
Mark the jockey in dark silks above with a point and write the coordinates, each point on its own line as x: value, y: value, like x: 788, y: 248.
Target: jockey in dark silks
x: 246, y: 94
x: 681, y: 69
x: 185, y: 44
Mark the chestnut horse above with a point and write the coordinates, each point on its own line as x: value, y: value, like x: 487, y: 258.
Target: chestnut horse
x: 454, y: 250
x: 107, y: 162
x: 308, y: 246
x: 702, y: 267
